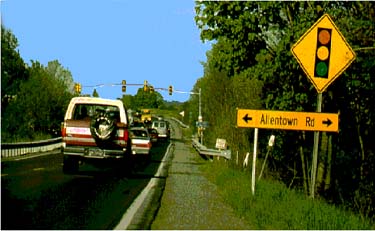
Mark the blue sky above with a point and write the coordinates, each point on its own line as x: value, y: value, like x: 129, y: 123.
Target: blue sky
x: 106, y: 41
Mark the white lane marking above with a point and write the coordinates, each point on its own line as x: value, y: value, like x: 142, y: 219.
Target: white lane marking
x: 43, y: 154
x: 129, y: 214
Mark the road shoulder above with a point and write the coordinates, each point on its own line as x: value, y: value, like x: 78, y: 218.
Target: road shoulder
x: 189, y: 200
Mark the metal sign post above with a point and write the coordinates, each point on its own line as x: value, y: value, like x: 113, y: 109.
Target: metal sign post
x: 323, y: 54
x: 254, y: 160
x: 315, y: 150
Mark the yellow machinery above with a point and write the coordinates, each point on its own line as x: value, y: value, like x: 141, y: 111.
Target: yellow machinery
x: 146, y: 115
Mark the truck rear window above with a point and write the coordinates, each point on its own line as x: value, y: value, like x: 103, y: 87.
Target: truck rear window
x: 87, y: 111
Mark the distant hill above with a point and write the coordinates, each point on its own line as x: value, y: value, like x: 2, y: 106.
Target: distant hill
x: 172, y: 104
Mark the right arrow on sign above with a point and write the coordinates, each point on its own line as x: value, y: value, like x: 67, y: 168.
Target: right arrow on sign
x: 327, y: 122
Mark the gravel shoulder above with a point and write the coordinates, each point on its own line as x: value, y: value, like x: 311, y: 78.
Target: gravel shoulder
x: 189, y: 200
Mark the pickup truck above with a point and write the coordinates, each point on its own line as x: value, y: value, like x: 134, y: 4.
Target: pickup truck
x: 94, y: 129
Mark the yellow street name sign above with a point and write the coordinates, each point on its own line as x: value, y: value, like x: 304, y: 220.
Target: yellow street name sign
x: 287, y: 120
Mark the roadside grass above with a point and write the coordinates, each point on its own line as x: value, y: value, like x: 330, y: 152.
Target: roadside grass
x: 6, y: 138
x: 166, y: 113
x: 274, y: 206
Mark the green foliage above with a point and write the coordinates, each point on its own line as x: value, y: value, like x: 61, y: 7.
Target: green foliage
x: 39, y: 106
x: 39, y: 95
x: 95, y: 93
x: 13, y: 68
x: 145, y: 99
x: 276, y: 207
x: 251, y: 66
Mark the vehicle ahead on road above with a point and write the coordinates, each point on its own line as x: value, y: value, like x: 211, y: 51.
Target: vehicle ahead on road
x: 140, y: 141
x: 146, y: 116
x: 137, y: 124
x: 162, y: 126
x: 94, y: 128
x: 154, y: 135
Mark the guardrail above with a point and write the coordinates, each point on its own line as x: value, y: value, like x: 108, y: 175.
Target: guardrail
x: 203, y: 150
x: 24, y: 148
x: 181, y: 123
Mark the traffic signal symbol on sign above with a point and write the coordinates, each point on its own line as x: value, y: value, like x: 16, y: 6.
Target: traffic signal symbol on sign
x: 323, y: 51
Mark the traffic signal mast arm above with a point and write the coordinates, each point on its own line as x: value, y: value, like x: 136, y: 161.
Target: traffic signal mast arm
x: 146, y: 86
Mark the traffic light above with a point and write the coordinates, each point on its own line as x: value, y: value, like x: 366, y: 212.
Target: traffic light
x: 123, y: 85
x: 323, y: 52
x: 77, y: 88
x: 170, y: 90
x: 145, y: 87
x: 152, y: 89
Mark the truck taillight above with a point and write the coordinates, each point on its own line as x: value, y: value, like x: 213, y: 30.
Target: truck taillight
x: 126, y: 135
x: 63, y: 129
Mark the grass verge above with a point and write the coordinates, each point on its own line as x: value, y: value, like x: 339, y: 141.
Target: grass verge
x: 274, y: 206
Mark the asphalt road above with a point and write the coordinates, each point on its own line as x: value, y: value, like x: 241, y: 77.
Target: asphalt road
x: 35, y: 194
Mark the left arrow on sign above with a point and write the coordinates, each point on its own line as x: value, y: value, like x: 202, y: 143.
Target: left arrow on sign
x: 246, y: 118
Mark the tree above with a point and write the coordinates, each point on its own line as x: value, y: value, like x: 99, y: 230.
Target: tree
x: 252, y: 42
x: 34, y: 98
x: 128, y: 101
x: 56, y: 70
x: 13, y: 68
x: 39, y: 107
x: 95, y: 93
x: 145, y: 99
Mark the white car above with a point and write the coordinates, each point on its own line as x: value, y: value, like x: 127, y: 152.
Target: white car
x: 140, y: 141
x: 162, y: 126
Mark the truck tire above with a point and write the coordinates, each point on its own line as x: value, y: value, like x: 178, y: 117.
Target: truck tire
x: 102, y: 127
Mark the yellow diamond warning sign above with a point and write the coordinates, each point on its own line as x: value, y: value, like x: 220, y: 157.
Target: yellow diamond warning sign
x: 323, y: 53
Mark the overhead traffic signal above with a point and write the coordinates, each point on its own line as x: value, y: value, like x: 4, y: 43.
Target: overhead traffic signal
x: 170, y: 90
x: 152, y: 89
x: 123, y: 85
x: 77, y: 88
x: 145, y: 87
x: 323, y: 52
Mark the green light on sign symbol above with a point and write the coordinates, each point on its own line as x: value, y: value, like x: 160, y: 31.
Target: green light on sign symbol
x: 323, y: 52
x: 321, y: 69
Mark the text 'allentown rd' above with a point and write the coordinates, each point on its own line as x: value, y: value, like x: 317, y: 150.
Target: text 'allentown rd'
x: 304, y: 121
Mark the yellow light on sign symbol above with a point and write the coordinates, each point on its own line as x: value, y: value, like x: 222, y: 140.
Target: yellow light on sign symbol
x: 323, y: 53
